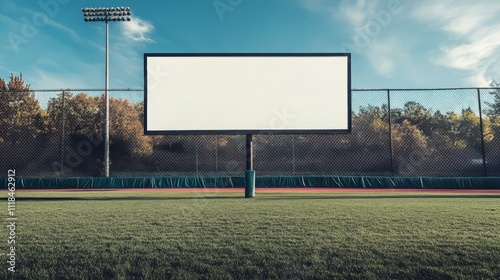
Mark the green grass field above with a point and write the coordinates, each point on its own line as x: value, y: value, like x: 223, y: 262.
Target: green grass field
x: 118, y: 235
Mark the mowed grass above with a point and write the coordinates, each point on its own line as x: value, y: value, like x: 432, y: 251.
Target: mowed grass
x: 118, y: 235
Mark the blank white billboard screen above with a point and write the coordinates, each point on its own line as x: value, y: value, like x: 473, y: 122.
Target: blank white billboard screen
x: 247, y: 93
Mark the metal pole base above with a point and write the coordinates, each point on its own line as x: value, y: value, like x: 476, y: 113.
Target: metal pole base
x: 249, y: 183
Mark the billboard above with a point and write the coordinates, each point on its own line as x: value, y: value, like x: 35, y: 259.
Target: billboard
x: 247, y: 93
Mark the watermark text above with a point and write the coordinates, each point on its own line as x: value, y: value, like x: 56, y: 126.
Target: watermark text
x: 223, y: 6
x: 11, y: 219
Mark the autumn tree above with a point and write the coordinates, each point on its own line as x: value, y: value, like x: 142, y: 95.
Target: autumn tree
x: 417, y: 115
x: 80, y: 114
x: 126, y: 130
x: 23, y: 122
x: 465, y: 130
x: 139, y: 107
x: 409, y: 145
x: 84, y: 117
x: 81, y: 118
x: 370, y: 128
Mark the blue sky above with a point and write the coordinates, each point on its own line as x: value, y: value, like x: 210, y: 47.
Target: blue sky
x: 394, y: 43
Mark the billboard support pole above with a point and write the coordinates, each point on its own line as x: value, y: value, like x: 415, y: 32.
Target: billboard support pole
x: 249, y: 173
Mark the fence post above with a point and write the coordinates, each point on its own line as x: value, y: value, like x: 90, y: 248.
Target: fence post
x: 216, y: 153
x: 293, y: 154
x: 197, y: 156
x: 485, y: 168
x: 63, y: 123
x: 390, y: 130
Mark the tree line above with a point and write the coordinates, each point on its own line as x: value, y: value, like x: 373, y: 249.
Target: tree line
x: 29, y: 132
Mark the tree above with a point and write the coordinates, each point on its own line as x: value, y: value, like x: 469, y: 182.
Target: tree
x: 84, y: 118
x: 370, y: 128
x: 465, y: 130
x: 79, y: 113
x: 494, y: 110
x: 80, y: 118
x: 409, y: 145
x: 439, y: 130
x: 20, y: 112
x: 493, y: 114
x: 417, y: 115
x: 139, y: 107
x: 23, y: 122
x: 126, y: 130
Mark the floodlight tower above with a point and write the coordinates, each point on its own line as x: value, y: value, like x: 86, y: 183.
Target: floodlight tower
x: 106, y: 15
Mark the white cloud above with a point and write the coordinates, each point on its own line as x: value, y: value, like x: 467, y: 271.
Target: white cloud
x: 480, y: 79
x: 425, y: 41
x: 42, y: 79
x: 47, y: 74
x: 473, y: 41
x: 385, y: 54
x: 74, y: 35
x: 385, y: 66
x: 7, y: 21
x: 474, y: 53
x: 370, y: 33
x: 356, y: 13
x: 137, y: 30
x: 126, y: 65
x: 458, y: 17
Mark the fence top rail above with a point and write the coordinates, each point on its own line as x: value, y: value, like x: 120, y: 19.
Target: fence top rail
x: 428, y: 89
x: 73, y: 90
x: 374, y: 89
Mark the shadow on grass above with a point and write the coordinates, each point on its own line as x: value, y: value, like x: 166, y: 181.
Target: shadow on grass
x: 265, y: 197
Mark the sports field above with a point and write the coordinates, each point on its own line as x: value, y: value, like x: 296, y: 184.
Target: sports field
x: 221, y: 235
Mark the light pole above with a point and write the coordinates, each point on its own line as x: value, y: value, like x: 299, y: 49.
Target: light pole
x: 106, y: 15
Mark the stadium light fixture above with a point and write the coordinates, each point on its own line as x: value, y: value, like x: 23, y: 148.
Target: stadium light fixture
x: 106, y: 15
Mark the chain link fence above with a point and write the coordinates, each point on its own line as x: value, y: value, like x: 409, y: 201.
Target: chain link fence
x: 423, y: 132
